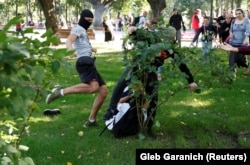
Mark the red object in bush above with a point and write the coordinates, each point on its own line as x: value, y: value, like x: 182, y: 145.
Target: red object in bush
x: 163, y: 55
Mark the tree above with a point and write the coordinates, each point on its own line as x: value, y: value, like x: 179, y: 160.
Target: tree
x: 49, y: 13
x: 156, y: 7
x: 100, y: 7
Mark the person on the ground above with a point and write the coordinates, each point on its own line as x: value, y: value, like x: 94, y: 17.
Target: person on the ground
x: 208, y: 31
x: 92, y: 81
x: 151, y: 87
x: 177, y: 22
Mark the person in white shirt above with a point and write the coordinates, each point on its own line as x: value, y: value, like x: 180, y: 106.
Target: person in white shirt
x: 143, y: 20
x: 91, y: 80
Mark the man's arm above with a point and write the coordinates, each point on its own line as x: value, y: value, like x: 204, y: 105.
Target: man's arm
x: 184, y: 68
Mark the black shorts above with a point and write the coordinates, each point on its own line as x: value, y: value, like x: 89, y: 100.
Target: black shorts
x: 86, y: 69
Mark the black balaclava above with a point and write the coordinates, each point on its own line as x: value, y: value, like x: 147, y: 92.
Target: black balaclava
x: 84, y: 23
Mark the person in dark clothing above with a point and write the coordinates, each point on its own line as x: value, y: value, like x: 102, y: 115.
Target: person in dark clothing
x: 152, y: 84
x: 219, y: 21
x: 177, y: 22
x: 108, y: 31
x: 224, y: 28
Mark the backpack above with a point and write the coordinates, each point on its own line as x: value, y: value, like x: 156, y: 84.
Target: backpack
x: 124, y: 123
x: 136, y: 21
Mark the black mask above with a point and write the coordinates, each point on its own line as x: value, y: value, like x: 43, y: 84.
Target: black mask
x: 83, y: 22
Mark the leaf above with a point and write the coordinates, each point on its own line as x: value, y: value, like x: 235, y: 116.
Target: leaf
x: 28, y: 30
x: 23, y: 148
x: 5, y: 160
x: 141, y: 136
x: 11, y: 149
x: 60, y: 53
x: 26, y: 161
x: 48, y: 33
x: 157, y: 124
x: 55, y: 66
x: 3, y: 37
x: 39, y: 74
x: 2, y: 142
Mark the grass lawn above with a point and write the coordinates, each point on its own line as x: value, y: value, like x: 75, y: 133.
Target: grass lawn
x: 217, y: 117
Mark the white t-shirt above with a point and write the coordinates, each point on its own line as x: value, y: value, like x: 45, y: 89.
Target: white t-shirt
x: 142, y: 22
x: 81, y: 44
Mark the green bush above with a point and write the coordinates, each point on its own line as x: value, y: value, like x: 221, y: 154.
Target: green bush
x: 26, y: 70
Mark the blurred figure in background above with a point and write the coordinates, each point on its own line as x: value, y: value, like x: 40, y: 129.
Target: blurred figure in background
x: 19, y: 26
x: 63, y: 22
x: 196, y: 22
x: 224, y: 28
x: 108, y: 29
x: 177, y: 22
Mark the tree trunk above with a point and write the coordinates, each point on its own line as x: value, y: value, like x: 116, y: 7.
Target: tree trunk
x: 99, y: 8
x: 156, y: 7
x: 238, y: 3
x: 49, y: 13
x: 98, y: 13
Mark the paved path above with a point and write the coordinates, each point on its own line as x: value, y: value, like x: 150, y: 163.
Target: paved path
x: 114, y: 45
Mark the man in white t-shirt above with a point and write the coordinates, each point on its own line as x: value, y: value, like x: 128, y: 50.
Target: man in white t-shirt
x: 143, y: 20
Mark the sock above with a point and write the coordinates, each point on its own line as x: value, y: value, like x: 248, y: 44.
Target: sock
x: 144, y: 112
x: 92, y: 120
x: 61, y: 92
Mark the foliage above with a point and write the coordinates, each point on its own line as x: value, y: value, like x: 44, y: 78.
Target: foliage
x: 141, y: 53
x: 215, y: 118
x: 26, y: 68
x: 141, y: 57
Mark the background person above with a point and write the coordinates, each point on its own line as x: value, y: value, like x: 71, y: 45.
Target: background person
x: 225, y: 28
x: 208, y: 31
x: 143, y: 20
x: 177, y: 22
x: 238, y: 36
x: 19, y: 26
x: 196, y: 22
x: 63, y: 23
x: 220, y: 20
x: 108, y: 29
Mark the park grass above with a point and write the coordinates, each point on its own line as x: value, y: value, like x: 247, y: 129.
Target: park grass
x: 217, y: 117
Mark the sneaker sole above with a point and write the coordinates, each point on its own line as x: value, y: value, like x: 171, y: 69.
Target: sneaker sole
x: 51, y: 112
x: 47, y: 99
